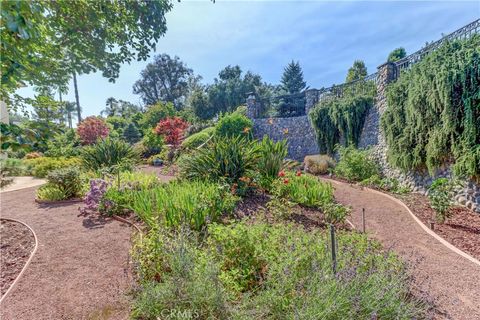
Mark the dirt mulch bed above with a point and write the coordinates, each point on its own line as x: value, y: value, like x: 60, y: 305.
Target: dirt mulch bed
x: 16, y: 244
x: 255, y: 207
x: 462, y: 229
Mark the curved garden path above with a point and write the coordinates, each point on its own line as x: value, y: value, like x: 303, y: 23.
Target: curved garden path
x: 452, y: 281
x: 80, y: 269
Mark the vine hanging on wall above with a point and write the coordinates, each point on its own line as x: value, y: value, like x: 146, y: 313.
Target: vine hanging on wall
x: 340, y: 117
x: 433, y: 111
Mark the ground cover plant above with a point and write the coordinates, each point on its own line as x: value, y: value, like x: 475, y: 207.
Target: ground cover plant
x: 263, y: 271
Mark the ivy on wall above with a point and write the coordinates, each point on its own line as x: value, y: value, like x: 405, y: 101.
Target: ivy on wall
x: 433, y: 111
x: 342, y: 117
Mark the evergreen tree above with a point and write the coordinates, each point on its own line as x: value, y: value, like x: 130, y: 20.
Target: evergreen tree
x: 292, y: 78
x: 397, y: 54
x: 131, y: 134
x: 357, y: 71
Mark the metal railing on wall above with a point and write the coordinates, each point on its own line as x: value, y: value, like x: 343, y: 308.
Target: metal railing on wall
x: 462, y: 33
x: 295, y: 104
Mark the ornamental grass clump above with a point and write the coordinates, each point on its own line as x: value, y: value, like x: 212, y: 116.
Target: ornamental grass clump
x: 226, y: 160
x: 193, y: 203
x: 303, y: 189
x: 107, y: 155
x: 271, y: 160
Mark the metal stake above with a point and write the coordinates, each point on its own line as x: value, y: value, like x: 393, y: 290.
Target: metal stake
x: 363, y: 220
x: 334, y: 247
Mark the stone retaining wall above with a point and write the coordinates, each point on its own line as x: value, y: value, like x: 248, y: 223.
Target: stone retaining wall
x: 302, y: 141
x: 296, y: 130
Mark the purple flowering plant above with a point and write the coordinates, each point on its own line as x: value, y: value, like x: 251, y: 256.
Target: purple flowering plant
x: 98, y: 188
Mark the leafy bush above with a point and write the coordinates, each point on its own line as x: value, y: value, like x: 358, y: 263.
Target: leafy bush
x: 172, y: 129
x: 264, y: 271
x: 192, y: 203
x: 355, y: 164
x: 271, y: 161
x: 63, y: 145
x: 12, y: 167
x: 66, y: 180
x: 440, y: 195
x: 40, y: 167
x: 303, y: 189
x: 432, y: 115
x: 228, y: 160
x: 318, y: 164
x: 197, y: 139
x: 234, y: 124
x: 63, y: 184
x: 156, y: 113
x: 152, y: 142
x: 108, y: 155
x: 92, y: 129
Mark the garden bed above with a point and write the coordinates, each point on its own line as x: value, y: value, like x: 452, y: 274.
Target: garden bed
x: 255, y: 207
x: 462, y: 229
x: 16, y: 244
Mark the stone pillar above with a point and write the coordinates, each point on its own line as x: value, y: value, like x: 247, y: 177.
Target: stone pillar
x: 311, y: 98
x: 251, y: 106
x: 387, y: 73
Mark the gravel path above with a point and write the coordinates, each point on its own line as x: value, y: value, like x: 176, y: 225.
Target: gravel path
x: 451, y: 280
x: 81, y: 267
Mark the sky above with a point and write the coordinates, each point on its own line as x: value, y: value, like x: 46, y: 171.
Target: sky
x: 264, y: 36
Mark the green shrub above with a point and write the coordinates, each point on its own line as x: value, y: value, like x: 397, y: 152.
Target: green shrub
x: 51, y: 193
x: 355, y: 164
x: 303, y: 189
x: 229, y: 160
x: 264, y: 271
x: 318, y: 164
x: 175, y: 281
x: 192, y: 203
x: 64, y: 145
x: 152, y: 142
x: 271, y: 161
x: 197, y: 139
x: 440, y: 195
x: 66, y: 180
x: 108, y: 155
x: 40, y: 167
x: 10, y: 167
x: 234, y: 124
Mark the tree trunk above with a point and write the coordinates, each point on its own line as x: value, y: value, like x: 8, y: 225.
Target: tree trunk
x: 69, y: 115
x: 62, y: 110
x: 79, y: 110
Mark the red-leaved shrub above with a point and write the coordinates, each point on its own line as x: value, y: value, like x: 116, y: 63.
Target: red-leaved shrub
x: 172, y: 129
x: 91, y: 129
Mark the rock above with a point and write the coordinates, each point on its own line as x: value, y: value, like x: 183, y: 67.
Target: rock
x: 462, y: 200
x: 470, y: 205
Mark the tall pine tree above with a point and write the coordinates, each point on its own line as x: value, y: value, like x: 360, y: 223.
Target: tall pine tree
x: 357, y: 71
x: 292, y: 78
